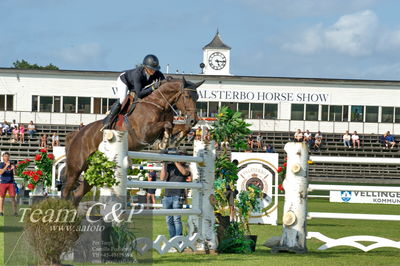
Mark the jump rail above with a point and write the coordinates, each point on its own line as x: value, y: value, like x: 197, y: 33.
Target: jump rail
x: 201, y: 215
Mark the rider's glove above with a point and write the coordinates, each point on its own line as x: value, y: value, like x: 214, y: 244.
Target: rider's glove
x: 156, y: 84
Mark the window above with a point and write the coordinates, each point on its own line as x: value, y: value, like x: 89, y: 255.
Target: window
x: 335, y: 113
x: 256, y: 110
x: 387, y: 114
x: 345, y: 113
x: 324, y: 112
x: 46, y: 104
x: 271, y: 111
x: 297, y: 112
x: 104, y: 105
x: 69, y: 104
x: 84, y: 105
x: 397, y: 115
x: 312, y: 112
x: 213, y: 109
x: 10, y: 103
x: 2, y: 102
x: 244, y: 109
x: 201, y: 108
x: 97, y: 105
x: 231, y: 105
x: 357, y: 113
x: 57, y: 104
x: 371, y: 114
x: 34, y: 103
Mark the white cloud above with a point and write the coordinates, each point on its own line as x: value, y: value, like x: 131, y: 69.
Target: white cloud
x: 354, y: 35
x: 307, y: 8
x: 86, y: 53
x: 310, y: 41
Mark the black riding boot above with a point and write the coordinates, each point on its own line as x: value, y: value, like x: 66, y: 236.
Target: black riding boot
x: 109, y: 119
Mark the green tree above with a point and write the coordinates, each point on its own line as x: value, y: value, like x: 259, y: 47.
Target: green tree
x: 23, y: 64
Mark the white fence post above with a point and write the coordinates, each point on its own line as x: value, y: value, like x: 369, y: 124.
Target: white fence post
x: 295, y: 208
x: 205, y: 174
x: 115, y: 147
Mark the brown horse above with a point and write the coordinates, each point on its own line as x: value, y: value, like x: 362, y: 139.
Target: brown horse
x: 151, y: 119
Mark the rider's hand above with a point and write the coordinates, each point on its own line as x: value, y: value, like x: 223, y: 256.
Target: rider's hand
x: 156, y: 84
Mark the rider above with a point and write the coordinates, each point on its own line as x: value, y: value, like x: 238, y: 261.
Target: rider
x: 141, y: 81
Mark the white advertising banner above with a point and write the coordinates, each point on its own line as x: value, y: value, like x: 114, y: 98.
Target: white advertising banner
x: 374, y: 197
x: 260, y: 169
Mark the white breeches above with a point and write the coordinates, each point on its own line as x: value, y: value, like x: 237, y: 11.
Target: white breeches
x: 122, y: 89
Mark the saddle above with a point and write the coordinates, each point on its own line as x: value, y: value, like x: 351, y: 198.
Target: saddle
x: 127, y: 107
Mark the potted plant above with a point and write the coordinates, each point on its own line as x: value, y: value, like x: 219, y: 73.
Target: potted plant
x: 39, y: 178
x: 248, y: 201
x: 229, y: 131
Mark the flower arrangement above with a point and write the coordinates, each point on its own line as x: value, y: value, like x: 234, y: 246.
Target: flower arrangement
x: 41, y: 174
x: 282, y: 174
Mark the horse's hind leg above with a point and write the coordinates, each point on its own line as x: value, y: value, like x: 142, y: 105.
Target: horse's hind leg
x: 69, y: 185
x: 82, y: 189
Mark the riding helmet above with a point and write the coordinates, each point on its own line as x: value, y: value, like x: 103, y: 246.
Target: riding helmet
x: 151, y: 61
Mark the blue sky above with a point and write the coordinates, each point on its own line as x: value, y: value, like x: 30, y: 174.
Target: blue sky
x: 357, y: 39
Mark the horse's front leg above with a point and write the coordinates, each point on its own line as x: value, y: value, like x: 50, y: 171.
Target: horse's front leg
x: 153, y: 129
x: 179, y: 132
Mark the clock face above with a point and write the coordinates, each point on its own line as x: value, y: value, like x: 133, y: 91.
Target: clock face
x: 217, y: 61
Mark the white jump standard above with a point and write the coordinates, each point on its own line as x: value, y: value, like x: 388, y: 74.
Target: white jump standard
x: 201, y: 215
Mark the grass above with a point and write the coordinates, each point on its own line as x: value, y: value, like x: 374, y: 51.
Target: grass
x: 333, y: 228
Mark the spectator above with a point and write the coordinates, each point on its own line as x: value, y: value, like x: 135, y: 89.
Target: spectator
x: 207, y: 135
x: 174, y: 198
x: 7, y: 171
x: 250, y: 143
x: 270, y: 149
x: 356, y: 140
x: 259, y: 141
x: 6, y: 128
x: 43, y: 141
x: 55, y: 140
x: 150, y: 192
x: 307, y: 137
x: 22, y: 133
x: 390, y: 140
x: 15, y: 135
x: 81, y: 125
x: 298, y: 136
x: 347, y: 139
x: 31, y: 129
x: 383, y: 141
x: 198, y: 133
x: 14, y: 125
x: 318, y: 141
x: 1, y: 129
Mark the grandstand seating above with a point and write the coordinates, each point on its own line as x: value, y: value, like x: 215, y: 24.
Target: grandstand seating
x: 332, y: 145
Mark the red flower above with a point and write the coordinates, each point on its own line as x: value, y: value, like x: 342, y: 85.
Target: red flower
x: 35, y: 178
x: 280, y: 169
x: 39, y: 172
x: 38, y: 157
x: 26, y: 172
x: 285, y: 164
x: 43, y: 150
x: 50, y: 156
x: 280, y: 187
x: 30, y: 186
x: 27, y: 160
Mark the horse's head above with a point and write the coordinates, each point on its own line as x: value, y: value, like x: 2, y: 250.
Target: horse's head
x: 186, y: 102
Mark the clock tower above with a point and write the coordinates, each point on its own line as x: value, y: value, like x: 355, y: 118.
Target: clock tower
x: 216, y: 57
